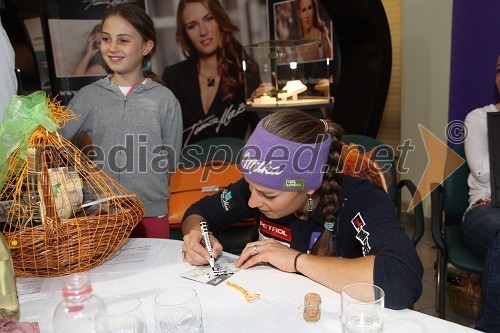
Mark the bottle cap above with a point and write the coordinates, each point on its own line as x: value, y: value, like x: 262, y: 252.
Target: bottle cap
x: 77, y: 284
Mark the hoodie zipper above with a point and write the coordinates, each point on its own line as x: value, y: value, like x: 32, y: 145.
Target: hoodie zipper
x: 123, y: 129
x: 126, y: 97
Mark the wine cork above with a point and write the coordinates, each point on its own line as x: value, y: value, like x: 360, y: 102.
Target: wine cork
x: 312, y: 307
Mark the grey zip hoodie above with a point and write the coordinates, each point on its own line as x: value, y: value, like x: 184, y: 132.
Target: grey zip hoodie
x: 136, y: 138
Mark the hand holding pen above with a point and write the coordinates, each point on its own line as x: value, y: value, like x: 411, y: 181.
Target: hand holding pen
x: 208, y: 243
x: 194, y: 250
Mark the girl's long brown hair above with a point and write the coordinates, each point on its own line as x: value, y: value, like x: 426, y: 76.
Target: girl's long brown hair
x: 297, y: 126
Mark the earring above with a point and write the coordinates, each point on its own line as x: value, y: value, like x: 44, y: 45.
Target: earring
x: 146, y: 66
x: 309, y: 204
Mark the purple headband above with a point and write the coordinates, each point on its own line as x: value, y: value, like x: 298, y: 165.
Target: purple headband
x: 271, y: 161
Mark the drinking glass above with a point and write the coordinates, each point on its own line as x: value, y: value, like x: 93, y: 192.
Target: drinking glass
x: 123, y: 315
x: 178, y: 310
x: 362, y: 308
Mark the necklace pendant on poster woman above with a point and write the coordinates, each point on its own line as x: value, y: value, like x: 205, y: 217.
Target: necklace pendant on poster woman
x: 210, y: 79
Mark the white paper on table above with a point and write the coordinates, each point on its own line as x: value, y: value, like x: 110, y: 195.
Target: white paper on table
x: 204, y: 274
x: 28, y: 288
x: 130, y: 258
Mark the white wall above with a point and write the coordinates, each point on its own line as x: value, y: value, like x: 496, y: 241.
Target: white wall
x: 426, y: 45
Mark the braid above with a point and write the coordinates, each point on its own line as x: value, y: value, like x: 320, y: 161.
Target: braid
x: 300, y: 127
x: 329, y: 192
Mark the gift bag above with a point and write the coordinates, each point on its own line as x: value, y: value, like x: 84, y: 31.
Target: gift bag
x: 60, y: 212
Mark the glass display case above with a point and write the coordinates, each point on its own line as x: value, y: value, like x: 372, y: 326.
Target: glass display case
x: 276, y: 75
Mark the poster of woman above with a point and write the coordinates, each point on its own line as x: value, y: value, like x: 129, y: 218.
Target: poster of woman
x: 302, y: 20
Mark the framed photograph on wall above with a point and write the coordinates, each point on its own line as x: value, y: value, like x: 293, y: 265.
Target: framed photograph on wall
x: 302, y: 20
x: 76, y: 39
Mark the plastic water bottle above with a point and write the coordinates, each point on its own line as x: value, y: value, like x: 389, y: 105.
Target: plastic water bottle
x: 77, y: 311
x: 9, y: 303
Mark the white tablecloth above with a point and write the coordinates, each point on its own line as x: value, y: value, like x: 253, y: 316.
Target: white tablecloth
x: 224, y: 308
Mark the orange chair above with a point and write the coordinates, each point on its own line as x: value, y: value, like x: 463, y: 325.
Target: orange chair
x: 188, y: 185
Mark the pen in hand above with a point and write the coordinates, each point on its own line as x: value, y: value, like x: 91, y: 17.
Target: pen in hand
x: 208, y: 244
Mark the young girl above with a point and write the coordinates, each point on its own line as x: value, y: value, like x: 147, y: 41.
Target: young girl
x: 332, y: 228
x: 210, y: 84
x: 134, y: 122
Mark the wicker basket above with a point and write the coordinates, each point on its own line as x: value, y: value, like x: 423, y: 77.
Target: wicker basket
x: 62, y: 213
x: 464, y: 291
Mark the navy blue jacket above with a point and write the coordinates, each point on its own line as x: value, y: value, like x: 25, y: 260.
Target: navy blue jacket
x: 367, y: 225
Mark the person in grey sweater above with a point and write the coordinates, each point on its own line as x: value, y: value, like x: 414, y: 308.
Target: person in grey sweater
x: 134, y: 122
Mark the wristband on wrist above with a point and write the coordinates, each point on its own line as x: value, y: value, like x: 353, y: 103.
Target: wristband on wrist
x: 295, y: 261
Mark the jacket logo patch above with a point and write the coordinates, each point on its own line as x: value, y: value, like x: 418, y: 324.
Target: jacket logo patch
x: 275, y: 230
x: 362, y: 236
x: 263, y: 238
x: 225, y: 198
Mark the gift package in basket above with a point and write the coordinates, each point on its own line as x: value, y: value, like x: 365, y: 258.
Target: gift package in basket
x: 59, y: 212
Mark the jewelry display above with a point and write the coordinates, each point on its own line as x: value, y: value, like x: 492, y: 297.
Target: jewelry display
x: 288, y: 96
x: 292, y: 89
x: 265, y: 99
x: 286, y: 79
